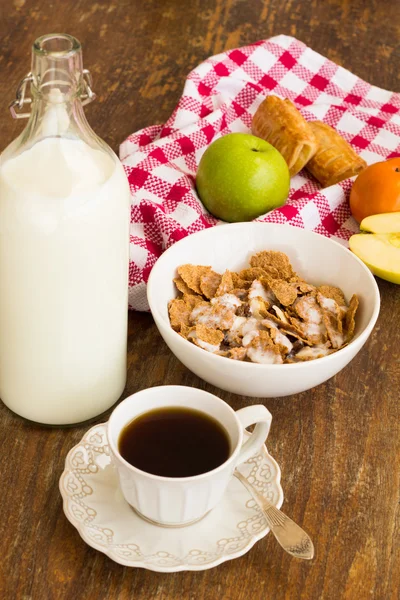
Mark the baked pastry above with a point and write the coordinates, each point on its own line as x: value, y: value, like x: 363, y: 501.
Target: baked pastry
x: 279, y: 122
x: 335, y: 159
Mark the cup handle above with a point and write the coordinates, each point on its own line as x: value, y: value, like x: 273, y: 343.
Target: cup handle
x: 261, y: 417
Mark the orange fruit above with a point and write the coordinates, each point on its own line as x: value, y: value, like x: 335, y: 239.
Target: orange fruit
x: 376, y: 190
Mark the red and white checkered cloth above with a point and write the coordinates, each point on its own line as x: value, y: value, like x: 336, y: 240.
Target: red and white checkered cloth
x: 220, y: 96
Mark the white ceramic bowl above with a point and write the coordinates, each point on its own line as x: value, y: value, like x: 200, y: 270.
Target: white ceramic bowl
x: 316, y: 258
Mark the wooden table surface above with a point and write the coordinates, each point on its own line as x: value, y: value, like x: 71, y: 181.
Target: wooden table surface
x: 338, y: 445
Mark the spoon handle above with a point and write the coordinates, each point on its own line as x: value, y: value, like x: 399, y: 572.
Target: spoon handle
x: 289, y: 535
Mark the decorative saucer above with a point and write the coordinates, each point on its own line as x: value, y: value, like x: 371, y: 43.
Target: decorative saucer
x: 94, y: 504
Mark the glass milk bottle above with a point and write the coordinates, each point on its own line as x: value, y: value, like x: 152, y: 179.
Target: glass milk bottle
x: 64, y: 250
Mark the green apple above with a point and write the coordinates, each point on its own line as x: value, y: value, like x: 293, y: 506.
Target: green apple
x: 241, y: 177
x: 380, y: 248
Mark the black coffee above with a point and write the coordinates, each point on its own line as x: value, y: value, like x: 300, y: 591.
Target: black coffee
x: 174, y: 442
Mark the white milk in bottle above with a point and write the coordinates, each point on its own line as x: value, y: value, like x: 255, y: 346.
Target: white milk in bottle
x: 64, y: 252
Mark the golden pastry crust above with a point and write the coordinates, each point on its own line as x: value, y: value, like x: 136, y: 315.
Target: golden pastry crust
x: 335, y: 159
x: 279, y: 122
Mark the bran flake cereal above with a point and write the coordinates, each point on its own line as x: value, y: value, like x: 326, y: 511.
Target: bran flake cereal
x: 277, y: 260
x: 191, y: 275
x: 253, y: 273
x: 350, y: 316
x: 179, y: 313
x: 284, y: 292
x: 209, y: 283
x: 226, y: 284
x: 206, y: 337
x: 265, y: 313
x: 239, y: 282
x: 182, y: 287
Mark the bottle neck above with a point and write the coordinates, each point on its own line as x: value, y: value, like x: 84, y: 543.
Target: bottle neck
x: 57, y: 84
x: 57, y: 63
x: 59, y: 90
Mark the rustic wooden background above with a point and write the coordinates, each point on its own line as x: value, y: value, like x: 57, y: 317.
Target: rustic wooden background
x: 338, y: 445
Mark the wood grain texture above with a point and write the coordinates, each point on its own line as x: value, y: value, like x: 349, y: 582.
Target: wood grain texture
x: 338, y: 445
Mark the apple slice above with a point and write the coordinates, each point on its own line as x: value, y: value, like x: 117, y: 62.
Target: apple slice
x: 382, y: 223
x: 379, y: 249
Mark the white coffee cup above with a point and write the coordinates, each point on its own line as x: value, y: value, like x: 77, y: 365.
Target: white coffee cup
x: 177, y: 501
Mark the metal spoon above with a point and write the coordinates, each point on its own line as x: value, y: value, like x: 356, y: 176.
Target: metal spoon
x: 289, y: 535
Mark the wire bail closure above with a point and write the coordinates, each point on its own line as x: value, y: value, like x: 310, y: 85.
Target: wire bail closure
x: 88, y: 95
x: 21, y: 99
